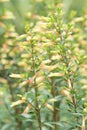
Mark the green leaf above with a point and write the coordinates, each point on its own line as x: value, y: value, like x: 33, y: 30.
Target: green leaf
x: 48, y: 124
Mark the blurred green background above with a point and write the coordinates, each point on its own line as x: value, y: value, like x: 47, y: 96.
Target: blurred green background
x: 22, y: 9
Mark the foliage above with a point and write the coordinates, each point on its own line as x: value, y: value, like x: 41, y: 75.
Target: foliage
x: 43, y: 71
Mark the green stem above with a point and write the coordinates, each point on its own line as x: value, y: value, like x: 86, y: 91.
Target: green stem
x: 70, y: 84
x: 37, y: 108
x: 83, y: 122
x: 55, y: 111
x: 18, y: 122
x: 36, y: 91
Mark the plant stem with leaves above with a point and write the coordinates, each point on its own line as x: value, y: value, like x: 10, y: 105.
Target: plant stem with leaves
x: 36, y: 89
x: 17, y: 120
x: 55, y: 109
